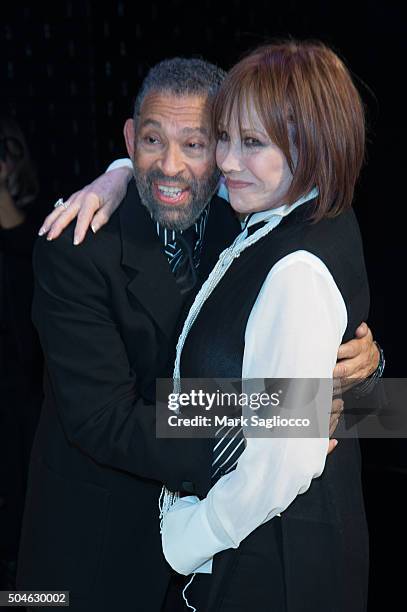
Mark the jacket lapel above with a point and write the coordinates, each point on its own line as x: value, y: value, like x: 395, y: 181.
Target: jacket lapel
x: 151, y: 281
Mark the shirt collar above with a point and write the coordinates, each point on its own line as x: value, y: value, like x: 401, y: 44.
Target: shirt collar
x: 223, y: 190
x: 167, y: 236
x: 282, y: 211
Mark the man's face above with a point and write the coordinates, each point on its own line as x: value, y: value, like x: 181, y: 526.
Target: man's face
x: 173, y: 156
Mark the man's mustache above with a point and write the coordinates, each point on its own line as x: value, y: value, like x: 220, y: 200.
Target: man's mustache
x: 157, y: 175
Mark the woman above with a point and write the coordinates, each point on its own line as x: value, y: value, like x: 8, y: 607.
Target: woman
x: 290, y: 122
x: 291, y: 145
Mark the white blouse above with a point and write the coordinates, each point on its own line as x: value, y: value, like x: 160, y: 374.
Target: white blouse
x: 293, y: 331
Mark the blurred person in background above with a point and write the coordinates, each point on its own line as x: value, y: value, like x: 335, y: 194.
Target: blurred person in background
x: 20, y: 352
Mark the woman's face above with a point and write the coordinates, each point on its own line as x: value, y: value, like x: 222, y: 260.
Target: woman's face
x: 256, y: 170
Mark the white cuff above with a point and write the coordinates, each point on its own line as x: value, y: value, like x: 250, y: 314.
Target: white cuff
x: 188, y: 541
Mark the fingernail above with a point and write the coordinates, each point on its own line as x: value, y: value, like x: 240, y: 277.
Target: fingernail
x: 94, y: 228
x: 50, y: 236
x: 42, y: 230
x: 76, y: 241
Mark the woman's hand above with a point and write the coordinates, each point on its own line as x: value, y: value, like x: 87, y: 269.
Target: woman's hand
x: 93, y: 205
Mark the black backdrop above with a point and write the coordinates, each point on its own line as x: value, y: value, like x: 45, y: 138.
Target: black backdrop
x: 69, y: 73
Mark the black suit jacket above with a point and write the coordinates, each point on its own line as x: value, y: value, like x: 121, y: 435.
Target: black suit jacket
x: 106, y: 312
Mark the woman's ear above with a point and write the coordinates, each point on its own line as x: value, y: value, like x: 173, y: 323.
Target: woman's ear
x: 129, y: 136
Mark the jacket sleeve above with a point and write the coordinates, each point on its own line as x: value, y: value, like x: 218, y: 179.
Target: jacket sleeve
x: 94, y: 387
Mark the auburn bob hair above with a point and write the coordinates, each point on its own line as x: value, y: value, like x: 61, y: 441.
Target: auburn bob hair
x: 303, y: 91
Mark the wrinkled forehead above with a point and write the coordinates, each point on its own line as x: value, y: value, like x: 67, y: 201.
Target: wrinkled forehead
x: 168, y: 111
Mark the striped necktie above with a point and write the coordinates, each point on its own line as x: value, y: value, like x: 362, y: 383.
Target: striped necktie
x: 229, y: 444
x: 183, y: 263
x: 183, y: 250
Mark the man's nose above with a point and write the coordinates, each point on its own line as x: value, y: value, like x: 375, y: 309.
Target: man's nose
x: 172, y: 162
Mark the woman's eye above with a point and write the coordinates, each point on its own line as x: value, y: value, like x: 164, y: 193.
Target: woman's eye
x: 252, y: 142
x: 195, y: 145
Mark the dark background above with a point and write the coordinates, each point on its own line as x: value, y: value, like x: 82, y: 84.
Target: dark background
x: 69, y: 73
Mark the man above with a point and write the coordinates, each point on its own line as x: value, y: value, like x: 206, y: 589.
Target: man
x: 106, y: 312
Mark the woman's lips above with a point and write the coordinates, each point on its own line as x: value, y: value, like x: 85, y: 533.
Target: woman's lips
x: 230, y: 184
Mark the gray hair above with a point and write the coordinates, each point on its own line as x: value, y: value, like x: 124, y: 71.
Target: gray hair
x: 181, y: 77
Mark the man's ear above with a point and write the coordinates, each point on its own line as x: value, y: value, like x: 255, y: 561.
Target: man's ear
x: 129, y: 136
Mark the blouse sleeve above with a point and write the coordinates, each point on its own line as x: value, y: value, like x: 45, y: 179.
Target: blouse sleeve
x: 294, y: 331
x: 123, y: 162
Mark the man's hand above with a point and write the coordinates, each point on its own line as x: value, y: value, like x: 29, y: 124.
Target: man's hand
x: 357, y: 359
x: 93, y: 205
x: 336, y: 411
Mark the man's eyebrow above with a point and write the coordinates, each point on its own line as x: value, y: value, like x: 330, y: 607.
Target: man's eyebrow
x: 152, y: 122
x: 194, y: 130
